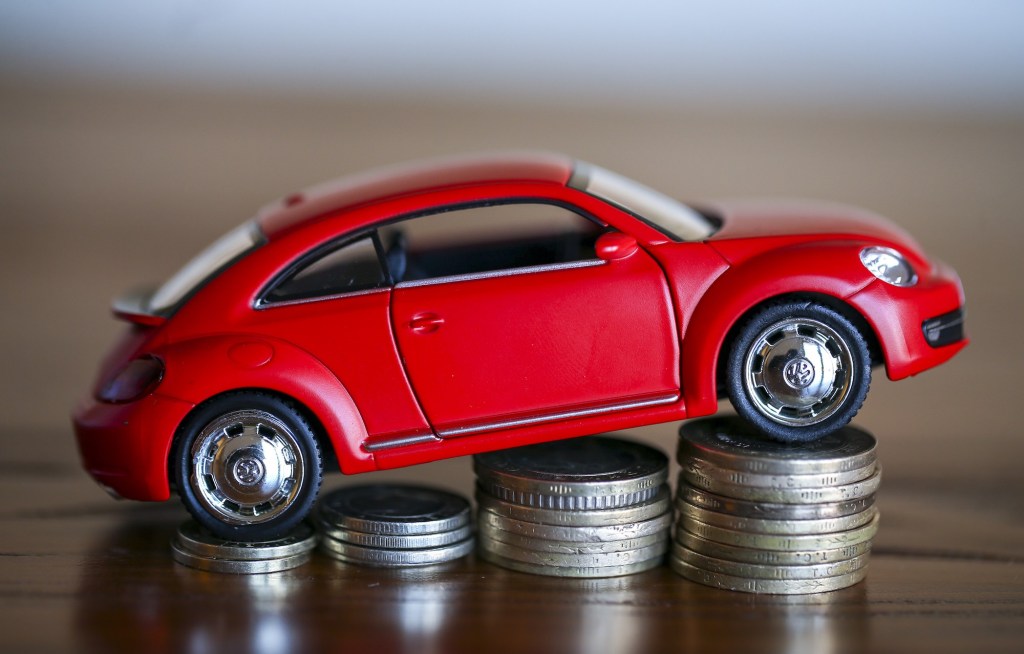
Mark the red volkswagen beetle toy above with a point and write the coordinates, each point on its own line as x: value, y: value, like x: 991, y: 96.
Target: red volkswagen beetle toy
x: 477, y: 303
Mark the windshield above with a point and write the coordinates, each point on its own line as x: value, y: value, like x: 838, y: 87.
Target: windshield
x: 218, y: 255
x: 671, y: 217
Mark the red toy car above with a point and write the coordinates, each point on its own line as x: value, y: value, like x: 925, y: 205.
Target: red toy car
x: 478, y: 303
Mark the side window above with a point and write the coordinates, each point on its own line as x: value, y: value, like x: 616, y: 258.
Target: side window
x: 352, y: 267
x: 486, y: 239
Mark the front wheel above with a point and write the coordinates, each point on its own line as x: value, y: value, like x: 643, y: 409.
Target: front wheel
x: 798, y: 371
x: 248, y: 466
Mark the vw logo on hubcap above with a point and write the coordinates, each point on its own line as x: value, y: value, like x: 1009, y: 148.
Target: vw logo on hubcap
x: 798, y: 373
x: 248, y: 470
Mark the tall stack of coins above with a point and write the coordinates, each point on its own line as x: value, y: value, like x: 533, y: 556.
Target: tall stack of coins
x: 584, y: 507
x: 766, y: 517
x: 393, y: 525
x: 196, y: 547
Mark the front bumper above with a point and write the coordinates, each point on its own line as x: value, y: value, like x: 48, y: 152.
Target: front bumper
x: 945, y: 329
x: 918, y: 327
x: 125, y: 447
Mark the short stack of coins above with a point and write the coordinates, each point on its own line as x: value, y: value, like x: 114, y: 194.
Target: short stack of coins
x: 584, y: 507
x: 394, y: 525
x: 196, y: 547
x: 761, y: 516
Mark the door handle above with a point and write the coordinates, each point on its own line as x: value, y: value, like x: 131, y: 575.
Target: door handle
x: 425, y: 323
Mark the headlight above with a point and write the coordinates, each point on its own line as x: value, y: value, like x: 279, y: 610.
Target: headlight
x: 888, y: 265
x: 135, y: 380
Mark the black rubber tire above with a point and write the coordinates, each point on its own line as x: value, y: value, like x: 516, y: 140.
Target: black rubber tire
x: 301, y: 429
x: 765, y: 318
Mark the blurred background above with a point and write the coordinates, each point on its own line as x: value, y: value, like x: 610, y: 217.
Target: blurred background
x: 132, y: 134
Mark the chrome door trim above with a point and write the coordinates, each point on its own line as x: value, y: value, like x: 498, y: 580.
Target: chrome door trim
x: 507, y: 272
x: 400, y: 441
x: 551, y: 417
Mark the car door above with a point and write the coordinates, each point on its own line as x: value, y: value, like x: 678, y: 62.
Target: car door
x: 529, y: 325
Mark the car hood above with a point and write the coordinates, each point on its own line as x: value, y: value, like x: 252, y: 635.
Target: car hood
x: 813, y: 220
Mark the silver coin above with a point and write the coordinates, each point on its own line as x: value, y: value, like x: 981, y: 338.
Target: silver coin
x: 394, y: 509
x: 394, y: 558
x: 594, y: 534
x: 757, y: 571
x: 731, y: 442
x: 656, y: 506
x: 571, y: 547
x: 599, y: 560
x: 608, y: 472
x: 818, y: 480
x: 568, y: 571
x: 769, y: 511
x: 398, y: 542
x: 785, y: 543
x: 831, y: 494
x: 567, y: 502
x: 767, y: 586
x: 788, y: 527
x: 234, y: 566
x: 197, y: 540
x: 770, y: 557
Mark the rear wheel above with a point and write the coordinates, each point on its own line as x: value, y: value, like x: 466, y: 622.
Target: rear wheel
x: 248, y: 466
x: 798, y: 371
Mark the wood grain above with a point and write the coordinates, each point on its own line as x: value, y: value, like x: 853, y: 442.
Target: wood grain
x: 80, y: 572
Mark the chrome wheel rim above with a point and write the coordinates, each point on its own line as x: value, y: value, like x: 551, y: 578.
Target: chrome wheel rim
x: 798, y: 372
x: 247, y: 467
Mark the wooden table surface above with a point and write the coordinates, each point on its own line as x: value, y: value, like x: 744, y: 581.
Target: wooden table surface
x: 101, y: 189
x: 79, y: 572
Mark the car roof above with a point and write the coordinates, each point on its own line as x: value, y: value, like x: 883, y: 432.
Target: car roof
x: 296, y: 210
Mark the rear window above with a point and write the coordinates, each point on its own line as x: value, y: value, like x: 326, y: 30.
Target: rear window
x: 205, y: 265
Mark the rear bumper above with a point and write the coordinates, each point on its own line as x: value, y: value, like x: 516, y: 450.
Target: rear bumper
x: 918, y: 327
x: 125, y: 447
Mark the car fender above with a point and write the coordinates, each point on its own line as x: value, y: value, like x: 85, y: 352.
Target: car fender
x: 199, y: 369
x: 832, y: 269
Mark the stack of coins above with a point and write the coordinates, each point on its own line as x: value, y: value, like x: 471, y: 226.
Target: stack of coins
x: 393, y: 526
x: 196, y: 547
x: 766, y: 517
x: 585, y: 507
